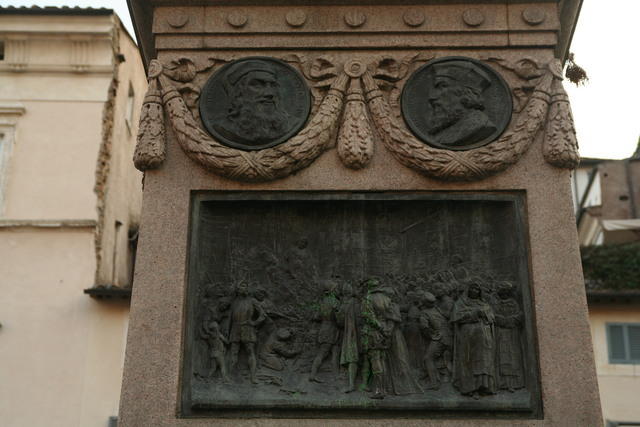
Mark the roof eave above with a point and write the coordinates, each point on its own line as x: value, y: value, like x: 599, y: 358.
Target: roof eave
x: 569, y: 13
x: 54, y: 10
x: 612, y: 297
x: 142, y: 18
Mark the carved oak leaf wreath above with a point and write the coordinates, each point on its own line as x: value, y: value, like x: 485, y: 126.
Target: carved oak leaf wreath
x: 366, y: 104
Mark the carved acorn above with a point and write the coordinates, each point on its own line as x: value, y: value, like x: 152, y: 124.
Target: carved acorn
x: 355, y: 139
x: 560, y: 146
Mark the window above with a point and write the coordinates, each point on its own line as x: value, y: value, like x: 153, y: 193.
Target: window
x: 133, y: 249
x: 3, y: 161
x: 1, y: 50
x: 9, y: 114
x: 117, y: 255
x: 129, y: 113
x: 624, y: 342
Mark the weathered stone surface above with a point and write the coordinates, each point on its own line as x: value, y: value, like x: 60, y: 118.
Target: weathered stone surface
x: 197, y: 247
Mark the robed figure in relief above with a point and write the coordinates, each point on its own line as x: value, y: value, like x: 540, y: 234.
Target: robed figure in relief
x: 474, y: 367
x: 386, y: 365
x: 508, y: 341
x: 349, y: 351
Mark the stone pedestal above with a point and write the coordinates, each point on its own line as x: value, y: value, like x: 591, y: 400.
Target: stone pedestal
x: 357, y: 206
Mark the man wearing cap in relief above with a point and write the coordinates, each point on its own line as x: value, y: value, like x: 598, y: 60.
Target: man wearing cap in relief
x: 255, y: 115
x: 457, y: 107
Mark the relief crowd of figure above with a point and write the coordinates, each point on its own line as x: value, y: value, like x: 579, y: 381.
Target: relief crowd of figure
x: 383, y: 336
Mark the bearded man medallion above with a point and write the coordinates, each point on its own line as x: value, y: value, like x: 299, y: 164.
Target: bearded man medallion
x: 456, y: 103
x: 255, y: 103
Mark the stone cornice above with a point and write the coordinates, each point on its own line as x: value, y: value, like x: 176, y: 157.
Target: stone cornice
x: 26, y: 52
x: 12, y: 108
x: 47, y: 223
x: 52, y: 10
x: 60, y: 24
x: 94, y: 69
x: 10, y: 112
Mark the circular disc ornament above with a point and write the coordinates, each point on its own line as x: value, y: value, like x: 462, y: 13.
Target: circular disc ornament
x: 456, y: 103
x: 255, y: 103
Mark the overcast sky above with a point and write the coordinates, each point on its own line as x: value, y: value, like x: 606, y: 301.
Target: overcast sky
x: 606, y: 44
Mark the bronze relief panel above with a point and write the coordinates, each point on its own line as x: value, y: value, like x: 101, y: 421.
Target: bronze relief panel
x: 332, y: 304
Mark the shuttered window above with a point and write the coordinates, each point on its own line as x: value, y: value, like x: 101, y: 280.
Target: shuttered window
x: 624, y: 342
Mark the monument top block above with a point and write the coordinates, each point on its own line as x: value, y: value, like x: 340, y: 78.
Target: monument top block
x: 559, y: 16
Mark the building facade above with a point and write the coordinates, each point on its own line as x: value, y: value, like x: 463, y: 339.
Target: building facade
x: 607, y: 200
x: 71, y: 87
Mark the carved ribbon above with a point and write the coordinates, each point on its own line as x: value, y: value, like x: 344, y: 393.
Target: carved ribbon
x: 263, y: 165
x: 548, y: 107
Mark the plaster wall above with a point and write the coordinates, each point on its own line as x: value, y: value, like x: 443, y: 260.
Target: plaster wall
x: 580, y: 181
x: 634, y: 179
x: 50, y: 172
x: 619, y: 383
x: 61, y: 353
x: 615, y: 191
x: 59, y: 69
x: 55, y: 87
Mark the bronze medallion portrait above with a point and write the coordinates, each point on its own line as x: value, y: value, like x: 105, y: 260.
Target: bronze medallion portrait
x: 456, y: 103
x: 255, y: 103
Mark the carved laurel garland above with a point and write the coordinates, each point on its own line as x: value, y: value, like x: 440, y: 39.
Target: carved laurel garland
x: 547, y: 107
x: 480, y: 162
x: 263, y: 165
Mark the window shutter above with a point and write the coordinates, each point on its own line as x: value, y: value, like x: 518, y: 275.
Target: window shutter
x: 634, y: 342
x: 616, y: 343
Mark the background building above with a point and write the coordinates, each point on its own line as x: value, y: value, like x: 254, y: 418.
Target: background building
x: 71, y: 87
x: 607, y: 197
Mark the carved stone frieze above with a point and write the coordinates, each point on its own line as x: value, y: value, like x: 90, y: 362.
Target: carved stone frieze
x: 413, y: 17
x: 263, y: 165
x: 473, y: 17
x: 296, y: 18
x: 476, y: 163
x: 356, y: 104
x: 355, y: 18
